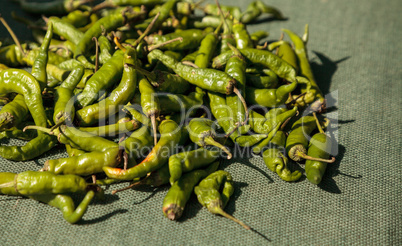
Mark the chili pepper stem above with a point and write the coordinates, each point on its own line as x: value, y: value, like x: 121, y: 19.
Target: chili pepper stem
x: 218, y: 210
x: 96, y: 53
x: 157, y: 46
x: 142, y: 71
x: 237, y: 92
x: 234, y: 129
x: 211, y: 141
x: 125, y: 160
x: 318, y: 123
x: 17, y: 42
x: 146, y: 32
x: 131, y: 185
x: 153, y: 121
x: 61, y: 122
x: 39, y: 128
x: 304, y: 156
x: 7, y: 185
x: 102, y: 5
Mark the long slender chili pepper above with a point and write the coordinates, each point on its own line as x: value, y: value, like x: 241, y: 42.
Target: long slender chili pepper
x: 208, y: 194
x: 180, y: 192
x: 269, y: 97
x: 13, y: 113
x: 113, y: 130
x: 170, y: 136
x: 65, y: 30
x: 60, y: 7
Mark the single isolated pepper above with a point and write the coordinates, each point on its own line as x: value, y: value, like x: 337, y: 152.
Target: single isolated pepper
x: 208, y: 194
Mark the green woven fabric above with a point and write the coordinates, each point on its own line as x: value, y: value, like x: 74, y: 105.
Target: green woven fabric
x: 355, y: 50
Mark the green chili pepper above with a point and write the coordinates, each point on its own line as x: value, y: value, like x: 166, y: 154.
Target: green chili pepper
x: 257, y: 36
x: 250, y: 140
x: 269, y: 97
x: 167, y: 82
x: 64, y: 105
x: 202, y: 134
x: 41, y: 183
x: 267, y: 81
x: 274, y: 117
x: 18, y: 133
x: 13, y: 113
x: 66, y: 205
x: 320, y: 148
x: 74, y: 151
x: 77, y: 18
x: 241, y: 36
x: 207, y: 49
x: 213, y: 9
x: 113, y: 130
x: 236, y: 68
x: 170, y: 136
x: 20, y: 81
x: 106, y: 49
x: 262, y: 57
x: 149, y: 103
x: 84, y: 164
x: 313, y: 92
x: 191, y: 39
x: 256, y: 8
x: 180, y: 192
x: 116, y: 3
x: 164, y: 13
x: 66, y: 30
x: 190, y: 160
x: 136, y: 143
x: 171, y: 103
x: 103, y: 79
x: 286, y: 52
x: 107, y: 23
x: 208, y: 194
x: 120, y: 95
x: 276, y: 160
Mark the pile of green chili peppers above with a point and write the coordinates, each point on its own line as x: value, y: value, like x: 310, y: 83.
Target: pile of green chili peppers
x: 177, y: 90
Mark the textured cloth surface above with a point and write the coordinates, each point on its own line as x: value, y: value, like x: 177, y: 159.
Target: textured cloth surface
x: 355, y: 50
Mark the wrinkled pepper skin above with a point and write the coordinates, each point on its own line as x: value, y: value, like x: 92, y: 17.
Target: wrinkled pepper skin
x: 297, y: 140
x: 269, y: 97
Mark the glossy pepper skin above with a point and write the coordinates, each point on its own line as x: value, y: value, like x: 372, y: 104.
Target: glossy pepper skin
x: 269, y: 97
x: 180, y: 192
x: 241, y: 35
x: 170, y: 136
x: 138, y: 142
x: 267, y: 81
x: 297, y: 140
x: 41, y: 183
x: 191, y: 39
x: 276, y: 161
x: 13, y: 113
x: 66, y: 30
x: 265, y: 124
x: 214, y: 192
x: 286, y: 52
x: 187, y: 161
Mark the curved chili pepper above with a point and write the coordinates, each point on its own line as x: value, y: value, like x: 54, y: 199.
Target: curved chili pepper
x: 18, y: 133
x: 66, y: 205
x: 250, y: 140
x: 257, y: 36
x: 286, y: 52
x: 267, y: 81
x: 276, y: 160
x: 77, y: 18
x: 172, y: 103
x: 207, y: 49
x: 256, y: 8
x: 187, y: 161
x: 172, y: 83
x: 170, y: 136
x: 213, y: 9
x: 120, y: 95
x: 136, y: 143
x: 164, y: 13
x: 313, y: 92
x: 297, y: 141
x: 180, y: 192
x: 105, y: 48
x: 191, y: 39
x: 65, y: 30
x: 208, y: 194
x: 202, y: 134
x: 269, y: 97
x: 113, y: 130
x: 74, y: 151
x: 241, y: 35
